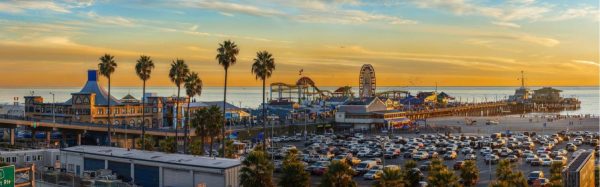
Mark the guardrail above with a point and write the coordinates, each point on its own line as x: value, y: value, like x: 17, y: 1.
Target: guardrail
x: 124, y: 127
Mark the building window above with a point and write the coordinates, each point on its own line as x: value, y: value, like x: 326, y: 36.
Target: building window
x: 70, y: 167
x: 14, y: 159
x: 154, y: 110
x: 34, y: 158
x: 39, y: 157
x: 57, y: 157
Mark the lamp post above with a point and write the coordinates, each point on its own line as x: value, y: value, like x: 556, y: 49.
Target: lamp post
x: 305, y: 124
x: 383, y: 142
x: 53, y: 109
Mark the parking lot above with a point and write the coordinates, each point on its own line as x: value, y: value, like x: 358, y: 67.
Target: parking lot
x: 319, y: 149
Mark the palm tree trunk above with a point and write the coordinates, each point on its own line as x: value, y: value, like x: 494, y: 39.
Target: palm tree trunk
x: 177, y: 116
x: 211, y: 146
x: 264, y: 113
x: 143, y: 117
x: 187, y: 127
x: 224, y: 120
x: 109, y: 122
x: 202, y: 136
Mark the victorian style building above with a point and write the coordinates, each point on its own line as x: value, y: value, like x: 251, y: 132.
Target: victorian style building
x: 90, y: 105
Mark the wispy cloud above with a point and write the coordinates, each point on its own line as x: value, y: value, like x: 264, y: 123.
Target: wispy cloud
x: 226, y: 14
x: 16, y: 6
x: 586, y: 62
x: 350, y: 17
x: 193, y: 31
x: 113, y: 20
x: 469, y: 62
x: 303, y: 11
x: 579, y: 12
x: 538, y: 40
x: 506, y: 24
x: 228, y: 7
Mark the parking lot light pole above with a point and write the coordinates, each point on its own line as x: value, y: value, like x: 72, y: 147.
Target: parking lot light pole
x: 383, y: 152
x: 53, y: 109
x: 490, y: 164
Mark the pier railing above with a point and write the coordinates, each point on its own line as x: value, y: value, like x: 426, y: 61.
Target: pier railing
x: 63, y: 122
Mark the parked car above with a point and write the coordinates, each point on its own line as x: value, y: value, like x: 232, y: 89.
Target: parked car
x: 491, y: 159
x: 450, y: 155
x: 373, y: 174
x: 512, y: 158
x: 458, y: 165
x: 365, y: 166
x: 471, y: 157
x: 546, y: 162
x: 534, y: 175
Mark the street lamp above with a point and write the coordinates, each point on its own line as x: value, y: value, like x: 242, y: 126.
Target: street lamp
x: 383, y: 142
x: 53, y: 109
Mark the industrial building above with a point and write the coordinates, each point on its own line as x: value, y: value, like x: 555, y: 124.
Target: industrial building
x: 28, y: 157
x: 580, y: 171
x: 157, y: 169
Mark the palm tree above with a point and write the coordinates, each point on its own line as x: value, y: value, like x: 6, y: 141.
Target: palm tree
x: 226, y: 55
x: 440, y: 175
x: 555, y: 174
x: 166, y: 145
x: 506, y: 177
x: 257, y: 170
x: 504, y: 170
x: 293, y: 171
x: 199, y: 123
x: 146, y: 143
x: 214, y: 121
x: 229, y: 149
x: 107, y: 67
x: 469, y: 173
x: 263, y: 67
x: 197, y: 147
x: 178, y: 72
x: 392, y: 177
x: 193, y: 87
x: 412, y: 178
x: 339, y: 174
x: 143, y: 68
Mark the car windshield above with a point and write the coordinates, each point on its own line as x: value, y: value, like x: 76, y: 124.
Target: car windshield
x: 534, y: 175
x: 362, y: 165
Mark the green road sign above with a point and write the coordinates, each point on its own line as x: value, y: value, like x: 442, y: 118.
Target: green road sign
x: 7, y: 176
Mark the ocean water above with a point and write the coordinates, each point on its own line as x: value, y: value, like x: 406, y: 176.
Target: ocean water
x: 251, y: 96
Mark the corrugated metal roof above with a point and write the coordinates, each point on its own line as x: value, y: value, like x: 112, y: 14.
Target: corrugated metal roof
x: 153, y: 156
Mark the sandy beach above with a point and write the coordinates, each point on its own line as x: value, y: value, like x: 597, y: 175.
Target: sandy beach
x: 518, y: 124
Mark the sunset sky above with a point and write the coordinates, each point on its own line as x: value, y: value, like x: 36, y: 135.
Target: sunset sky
x: 409, y: 42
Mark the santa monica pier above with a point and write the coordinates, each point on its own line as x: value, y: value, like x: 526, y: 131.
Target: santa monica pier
x: 294, y: 110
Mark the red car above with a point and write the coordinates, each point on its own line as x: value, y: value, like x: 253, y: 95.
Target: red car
x: 458, y: 165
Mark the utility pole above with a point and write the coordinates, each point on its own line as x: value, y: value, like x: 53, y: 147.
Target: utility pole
x: 53, y: 109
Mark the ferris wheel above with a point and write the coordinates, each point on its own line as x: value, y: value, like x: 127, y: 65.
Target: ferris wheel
x: 367, y: 81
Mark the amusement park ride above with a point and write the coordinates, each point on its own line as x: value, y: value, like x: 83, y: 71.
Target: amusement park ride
x: 305, y: 91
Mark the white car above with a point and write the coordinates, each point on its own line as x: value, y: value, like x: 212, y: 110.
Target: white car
x: 466, y: 150
x: 546, y: 162
x: 530, y: 158
x: 362, y: 153
x: 471, y: 157
x: 485, y: 150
